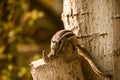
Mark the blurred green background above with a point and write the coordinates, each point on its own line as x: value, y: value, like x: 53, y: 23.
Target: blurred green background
x: 26, y: 27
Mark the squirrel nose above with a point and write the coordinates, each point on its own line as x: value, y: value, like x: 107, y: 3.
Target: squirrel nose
x: 52, y: 53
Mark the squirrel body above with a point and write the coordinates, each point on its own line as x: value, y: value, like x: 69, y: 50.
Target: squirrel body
x: 61, y: 37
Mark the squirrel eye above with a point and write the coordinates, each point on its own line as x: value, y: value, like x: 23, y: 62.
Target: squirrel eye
x: 60, y: 42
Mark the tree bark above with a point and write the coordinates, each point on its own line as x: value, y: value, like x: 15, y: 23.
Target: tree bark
x: 64, y: 67
x: 86, y: 18
x: 90, y: 17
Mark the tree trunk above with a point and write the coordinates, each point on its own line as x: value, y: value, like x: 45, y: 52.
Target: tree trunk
x: 86, y: 18
x: 64, y: 67
x: 90, y: 17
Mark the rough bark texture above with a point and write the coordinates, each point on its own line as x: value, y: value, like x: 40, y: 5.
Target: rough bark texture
x: 88, y: 17
x: 64, y: 67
